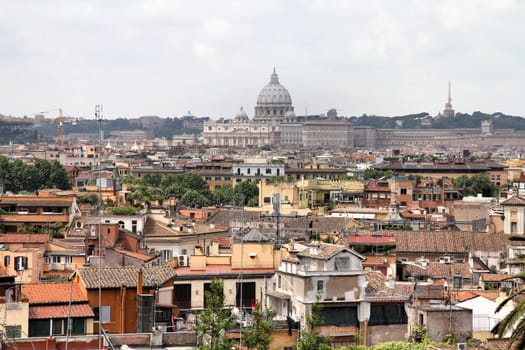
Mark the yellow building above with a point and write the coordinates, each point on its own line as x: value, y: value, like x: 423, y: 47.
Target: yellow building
x: 308, y: 194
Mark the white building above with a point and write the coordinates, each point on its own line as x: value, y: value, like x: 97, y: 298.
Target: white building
x: 273, y: 103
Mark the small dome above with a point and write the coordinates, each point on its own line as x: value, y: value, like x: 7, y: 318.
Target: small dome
x: 289, y: 115
x: 241, y: 116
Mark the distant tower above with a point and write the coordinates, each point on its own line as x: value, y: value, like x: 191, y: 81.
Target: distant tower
x: 449, y: 110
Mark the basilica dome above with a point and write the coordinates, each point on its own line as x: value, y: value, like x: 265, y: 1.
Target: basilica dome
x: 274, y: 101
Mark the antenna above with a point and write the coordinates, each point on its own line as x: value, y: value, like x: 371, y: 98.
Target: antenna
x: 99, y: 118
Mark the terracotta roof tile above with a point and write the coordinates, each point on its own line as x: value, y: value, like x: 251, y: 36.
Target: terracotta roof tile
x: 437, y: 270
x: 447, y: 242
x: 136, y: 255
x: 127, y: 276
x: 60, y: 311
x: 490, y: 277
x: 49, y: 293
x: 214, y: 270
x: 24, y: 238
x: 371, y: 240
x: 514, y: 201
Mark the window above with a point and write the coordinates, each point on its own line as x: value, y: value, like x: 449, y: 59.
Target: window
x: 105, y: 314
x: 166, y: 255
x: 342, y: 264
x: 513, y: 227
x: 39, y: 328
x: 403, y: 191
x: 20, y: 263
x: 320, y: 286
x: 7, y: 260
x: 57, y: 326
x: 13, y: 331
x: 78, y: 326
x: 55, y: 259
x: 268, y: 171
x: 69, y: 259
x: 278, y: 281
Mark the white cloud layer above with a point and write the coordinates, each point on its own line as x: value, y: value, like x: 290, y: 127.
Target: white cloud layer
x: 164, y: 57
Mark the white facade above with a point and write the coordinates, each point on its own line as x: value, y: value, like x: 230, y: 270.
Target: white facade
x: 257, y: 171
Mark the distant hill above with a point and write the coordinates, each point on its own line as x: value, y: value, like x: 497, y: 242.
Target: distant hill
x: 425, y: 121
x: 27, y: 132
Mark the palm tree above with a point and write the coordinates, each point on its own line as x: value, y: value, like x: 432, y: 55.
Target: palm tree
x: 515, y: 320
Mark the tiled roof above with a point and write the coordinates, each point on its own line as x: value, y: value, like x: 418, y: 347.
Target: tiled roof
x: 447, y: 242
x: 50, y: 293
x: 514, y: 201
x: 490, y: 277
x: 371, y: 240
x: 221, y: 270
x: 60, y: 311
x: 325, y: 251
x: 136, y: 255
x: 24, y: 238
x: 127, y: 276
x: 437, y: 270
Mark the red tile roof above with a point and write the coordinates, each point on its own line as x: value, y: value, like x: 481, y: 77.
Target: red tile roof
x: 490, y: 277
x: 371, y: 240
x: 24, y: 238
x: 136, y: 255
x: 60, y: 311
x: 214, y: 270
x: 50, y: 293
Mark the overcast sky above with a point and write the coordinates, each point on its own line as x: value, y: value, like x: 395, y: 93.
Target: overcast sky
x: 166, y: 57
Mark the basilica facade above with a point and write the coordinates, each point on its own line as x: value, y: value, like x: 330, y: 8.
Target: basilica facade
x: 274, y: 105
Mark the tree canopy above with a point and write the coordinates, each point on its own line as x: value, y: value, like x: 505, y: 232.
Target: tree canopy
x: 191, y: 190
x: 18, y: 176
x: 479, y: 183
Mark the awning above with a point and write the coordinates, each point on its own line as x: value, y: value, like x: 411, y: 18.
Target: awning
x: 279, y: 295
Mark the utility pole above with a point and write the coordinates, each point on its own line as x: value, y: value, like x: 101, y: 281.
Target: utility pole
x: 99, y: 118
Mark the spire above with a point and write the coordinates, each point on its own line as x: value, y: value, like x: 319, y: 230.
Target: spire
x: 275, y: 78
x: 449, y: 95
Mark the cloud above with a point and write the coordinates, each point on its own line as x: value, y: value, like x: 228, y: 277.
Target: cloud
x: 164, y: 57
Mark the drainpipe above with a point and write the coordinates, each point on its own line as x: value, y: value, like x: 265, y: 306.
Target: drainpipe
x: 122, y: 307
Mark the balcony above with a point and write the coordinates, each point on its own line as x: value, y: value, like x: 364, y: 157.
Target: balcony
x: 34, y: 218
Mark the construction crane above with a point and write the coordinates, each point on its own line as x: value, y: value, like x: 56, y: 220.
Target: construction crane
x: 60, y: 126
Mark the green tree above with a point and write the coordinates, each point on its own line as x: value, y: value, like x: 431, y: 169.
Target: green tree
x: 177, y: 185
x: 478, y: 183
x: 58, y: 177
x: 194, y: 199
x: 124, y: 210
x: 515, y: 320
x: 259, y: 334
x: 224, y: 195
x: 310, y: 338
x: 376, y: 174
x: 215, y: 320
x: 245, y: 192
